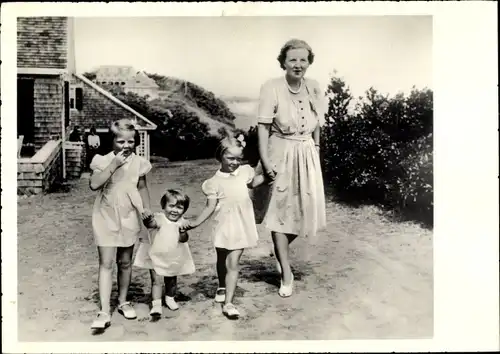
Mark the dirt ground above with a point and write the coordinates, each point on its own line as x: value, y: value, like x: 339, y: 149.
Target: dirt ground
x: 367, y: 278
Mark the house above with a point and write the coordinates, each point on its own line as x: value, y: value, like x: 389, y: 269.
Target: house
x: 52, y: 99
x: 129, y: 79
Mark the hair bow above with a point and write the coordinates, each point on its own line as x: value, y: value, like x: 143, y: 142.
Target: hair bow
x: 241, y: 139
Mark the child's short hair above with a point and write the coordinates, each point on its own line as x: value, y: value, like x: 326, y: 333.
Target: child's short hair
x: 125, y: 125
x: 227, y: 143
x: 178, y: 196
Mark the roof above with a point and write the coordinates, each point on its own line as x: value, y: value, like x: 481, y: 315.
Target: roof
x: 114, y: 72
x: 149, y: 124
x: 142, y: 80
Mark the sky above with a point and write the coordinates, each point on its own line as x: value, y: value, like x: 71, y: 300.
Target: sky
x: 233, y: 56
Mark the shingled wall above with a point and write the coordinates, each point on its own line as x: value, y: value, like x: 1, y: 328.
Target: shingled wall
x: 97, y: 110
x: 42, y: 42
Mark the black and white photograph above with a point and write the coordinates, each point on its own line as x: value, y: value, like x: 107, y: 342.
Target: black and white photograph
x: 224, y: 178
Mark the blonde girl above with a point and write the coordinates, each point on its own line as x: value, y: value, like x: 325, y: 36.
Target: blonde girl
x: 120, y: 179
x: 234, y: 226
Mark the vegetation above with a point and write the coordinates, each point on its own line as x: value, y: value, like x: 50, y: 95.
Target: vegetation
x: 381, y: 151
x: 375, y: 149
x: 184, y: 113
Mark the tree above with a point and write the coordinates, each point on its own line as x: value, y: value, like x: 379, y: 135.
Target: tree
x: 340, y: 97
x: 92, y: 75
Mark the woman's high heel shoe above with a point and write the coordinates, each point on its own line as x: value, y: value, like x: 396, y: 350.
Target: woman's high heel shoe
x: 286, y: 290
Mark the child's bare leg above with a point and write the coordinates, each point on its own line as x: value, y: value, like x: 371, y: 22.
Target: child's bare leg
x: 106, y: 260
x: 124, y: 260
x: 221, y: 266
x: 156, y: 285
x: 156, y: 293
x: 233, y: 268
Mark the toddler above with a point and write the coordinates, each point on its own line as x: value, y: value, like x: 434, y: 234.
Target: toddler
x: 166, y: 253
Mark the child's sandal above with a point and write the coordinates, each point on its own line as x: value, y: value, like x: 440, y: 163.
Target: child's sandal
x: 156, y: 308
x: 171, y: 304
x: 230, y: 311
x: 127, y: 311
x: 102, y: 321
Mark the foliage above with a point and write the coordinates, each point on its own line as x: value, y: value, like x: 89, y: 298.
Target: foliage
x: 198, y: 96
x: 90, y: 75
x: 180, y: 134
x: 251, y: 150
x: 382, y: 150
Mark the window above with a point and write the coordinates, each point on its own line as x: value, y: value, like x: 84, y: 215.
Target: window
x: 76, y: 98
x: 79, y: 98
x: 67, y: 95
x: 123, y: 83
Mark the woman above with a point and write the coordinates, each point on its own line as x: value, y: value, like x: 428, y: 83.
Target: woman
x: 291, y: 112
x: 93, y: 143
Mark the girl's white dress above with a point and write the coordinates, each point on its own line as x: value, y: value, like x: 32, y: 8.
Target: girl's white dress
x: 233, y: 225
x: 163, y: 252
x: 116, y: 221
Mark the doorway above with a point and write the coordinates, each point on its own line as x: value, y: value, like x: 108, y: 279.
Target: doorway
x: 26, y: 110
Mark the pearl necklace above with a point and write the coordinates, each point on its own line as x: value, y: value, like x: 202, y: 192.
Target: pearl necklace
x: 291, y: 90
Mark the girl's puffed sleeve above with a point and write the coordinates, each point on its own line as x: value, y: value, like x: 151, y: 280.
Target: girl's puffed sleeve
x: 145, y: 167
x: 267, y: 103
x: 98, y: 163
x: 210, y: 189
x: 250, y: 173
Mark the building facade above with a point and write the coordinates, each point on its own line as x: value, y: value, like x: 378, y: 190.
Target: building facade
x: 128, y: 78
x: 52, y: 99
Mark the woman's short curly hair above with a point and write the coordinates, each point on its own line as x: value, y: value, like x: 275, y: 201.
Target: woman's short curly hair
x: 294, y: 44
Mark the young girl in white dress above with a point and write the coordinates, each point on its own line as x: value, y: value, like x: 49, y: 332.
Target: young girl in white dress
x: 120, y: 179
x: 166, y: 253
x: 234, y: 226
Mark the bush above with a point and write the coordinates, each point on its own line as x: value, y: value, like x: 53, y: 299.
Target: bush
x: 380, y: 151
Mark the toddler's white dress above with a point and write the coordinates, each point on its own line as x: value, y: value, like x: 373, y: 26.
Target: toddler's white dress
x: 163, y: 252
x: 116, y: 221
x: 233, y: 225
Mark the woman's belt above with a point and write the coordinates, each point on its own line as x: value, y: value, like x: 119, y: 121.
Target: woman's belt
x: 294, y: 137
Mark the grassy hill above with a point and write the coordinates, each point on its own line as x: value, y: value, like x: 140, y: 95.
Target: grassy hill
x: 204, y: 104
x: 182, y: 98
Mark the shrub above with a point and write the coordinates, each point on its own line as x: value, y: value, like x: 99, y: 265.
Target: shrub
x: 380, y: 151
